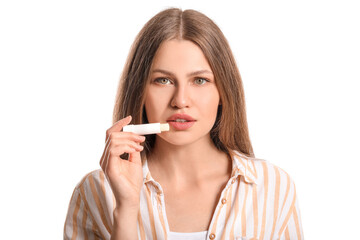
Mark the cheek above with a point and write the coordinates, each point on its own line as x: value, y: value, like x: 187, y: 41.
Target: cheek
x: 210, y: 102
x: 155, y: 105
x: 150, y: 109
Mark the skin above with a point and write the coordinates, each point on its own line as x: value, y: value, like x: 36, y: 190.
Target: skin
x: 191, y: 171
x: 124, y: 176
x: 178, y: 92
x: 188, y: 166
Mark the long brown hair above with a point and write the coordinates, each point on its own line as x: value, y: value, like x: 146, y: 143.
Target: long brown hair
x: 230, y: 131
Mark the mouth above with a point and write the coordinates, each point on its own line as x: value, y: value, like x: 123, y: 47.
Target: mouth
x: 181, y: 121
x: 180, y: 117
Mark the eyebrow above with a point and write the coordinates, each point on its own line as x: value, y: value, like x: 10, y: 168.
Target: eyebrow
x: 188, y: 75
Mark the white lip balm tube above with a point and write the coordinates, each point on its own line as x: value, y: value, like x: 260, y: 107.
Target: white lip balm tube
x: 144, y: 129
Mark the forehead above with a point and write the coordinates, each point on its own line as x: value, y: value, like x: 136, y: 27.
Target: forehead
x: 180, y: 55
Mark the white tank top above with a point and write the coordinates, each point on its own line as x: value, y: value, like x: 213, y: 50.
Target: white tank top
x: 188, y: 236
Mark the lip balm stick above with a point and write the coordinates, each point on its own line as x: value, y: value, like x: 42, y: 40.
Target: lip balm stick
x: 144, y: 129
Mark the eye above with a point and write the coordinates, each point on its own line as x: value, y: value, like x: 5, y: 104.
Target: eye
x: 200, y: 81
x: 163, y: 81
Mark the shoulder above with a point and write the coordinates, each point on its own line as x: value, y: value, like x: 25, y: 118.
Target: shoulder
x: 94, y: 187
x: 268, y: 176
x: 92, y: 178
x: 272, y: 186
x: 90, y: 206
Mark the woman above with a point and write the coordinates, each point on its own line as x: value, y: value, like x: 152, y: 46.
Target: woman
x: 199, y: 180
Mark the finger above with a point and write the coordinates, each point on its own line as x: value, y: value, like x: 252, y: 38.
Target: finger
x: 113, y: 160
x: 135, y: 157
x: 119, y: 144
x: 118, y: 126
x: 117, y: 138
x: 105, y: 157
x: 119, y: 150
x: 127, y: 135
x: 118, y: 147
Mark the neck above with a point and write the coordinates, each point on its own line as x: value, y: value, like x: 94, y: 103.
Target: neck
x: 187, y: 164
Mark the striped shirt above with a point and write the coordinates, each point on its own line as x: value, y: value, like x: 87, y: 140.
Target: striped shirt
x: 258, y: 202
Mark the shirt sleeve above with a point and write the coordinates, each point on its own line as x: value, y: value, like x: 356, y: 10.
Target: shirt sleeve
x: 293, y: 229
x: 79, y: 223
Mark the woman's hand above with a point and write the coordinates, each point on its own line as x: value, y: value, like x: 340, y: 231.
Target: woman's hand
x: 125, y: 176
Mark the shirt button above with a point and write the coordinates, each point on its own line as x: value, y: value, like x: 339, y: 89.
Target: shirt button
x: 232, y: 181
x: 223, y: 201
x: 212, y: 236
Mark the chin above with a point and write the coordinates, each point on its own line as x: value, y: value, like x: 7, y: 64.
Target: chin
x: 181, y: 138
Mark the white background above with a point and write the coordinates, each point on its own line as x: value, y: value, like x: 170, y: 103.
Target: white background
x: 60, y: 62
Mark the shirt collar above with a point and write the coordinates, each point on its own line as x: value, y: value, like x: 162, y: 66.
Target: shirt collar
x: 244, y: 166
x: 241, y: 166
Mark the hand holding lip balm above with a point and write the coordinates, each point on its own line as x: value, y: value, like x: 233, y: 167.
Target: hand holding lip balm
x: 145, y: 129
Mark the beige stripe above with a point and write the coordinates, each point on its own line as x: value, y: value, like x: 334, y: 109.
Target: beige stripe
x: 296, y: 219
x: 213, y: 230
x: 70, y: 204
x: 74, y: 216
x: 246, y: 165
x: 236, y: 212
x: 103, y: 190
x: 242, y: 162
x: 98, y: 203
x: 276, y: 200
x: 229, y: 201
x: 93, y: 228
x: 85, y: 178
x: 287, y: 235
x: 161, y: 216
x: 288, y: 215
x: 82, y: 191
x: 249, y: 168
x: 241, y: 172
x: 148, y: 177
x: 255, y: 210
x: 266, y: 183
x: 228, y: 208
x: 141, y: 226
x: 255, y: 172
x: 102, y: 182
x: 243, y: 212
x: 151, y: 213
x: 287, y: 192
x: 85, y: 216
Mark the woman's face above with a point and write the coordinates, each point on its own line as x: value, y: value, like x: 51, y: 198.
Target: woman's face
x: 182, y: 91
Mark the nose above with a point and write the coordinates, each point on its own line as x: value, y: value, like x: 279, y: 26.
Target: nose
x: 181, y: 98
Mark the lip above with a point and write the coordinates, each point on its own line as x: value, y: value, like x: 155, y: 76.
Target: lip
x: 180, y: 115
x: 181, y: 125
